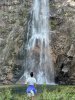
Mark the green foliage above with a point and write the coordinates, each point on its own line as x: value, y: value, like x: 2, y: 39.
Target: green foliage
x: 44, y: 86
x: 23, y: 15
x: 59, y: 93
x: 5, y: 94
x: 53, y: 24
x: 2, y: 30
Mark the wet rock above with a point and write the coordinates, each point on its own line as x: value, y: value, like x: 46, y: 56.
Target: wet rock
x: 71, y: 51
x: 9, y: 76
x: 63, y: 69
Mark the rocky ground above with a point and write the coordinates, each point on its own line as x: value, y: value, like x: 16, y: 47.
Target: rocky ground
x: 15, y: 16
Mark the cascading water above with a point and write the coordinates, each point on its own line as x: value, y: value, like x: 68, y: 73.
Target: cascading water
x: 38, y: 58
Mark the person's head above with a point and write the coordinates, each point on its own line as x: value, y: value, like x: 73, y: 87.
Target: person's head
x: 31, y: 74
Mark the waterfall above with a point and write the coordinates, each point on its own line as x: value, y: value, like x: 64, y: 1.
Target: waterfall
x: 38, y: 48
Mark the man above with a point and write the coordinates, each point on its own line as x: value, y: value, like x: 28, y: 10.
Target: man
x: 31, y: 91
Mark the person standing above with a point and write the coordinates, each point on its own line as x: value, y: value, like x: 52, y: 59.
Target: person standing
x: 31, y: 90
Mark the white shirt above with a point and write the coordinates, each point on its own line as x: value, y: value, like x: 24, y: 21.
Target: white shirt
x: 31, y: 81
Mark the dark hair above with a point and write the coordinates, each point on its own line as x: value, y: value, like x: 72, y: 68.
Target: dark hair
x: 31, y: 74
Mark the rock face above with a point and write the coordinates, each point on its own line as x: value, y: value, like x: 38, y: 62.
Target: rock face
x: 15, y: 16
x: 63, y: 37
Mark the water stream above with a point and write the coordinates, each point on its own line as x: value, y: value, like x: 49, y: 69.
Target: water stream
x: 38, y: 48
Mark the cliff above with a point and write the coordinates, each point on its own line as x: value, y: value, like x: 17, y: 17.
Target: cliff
x: 15, y: 16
